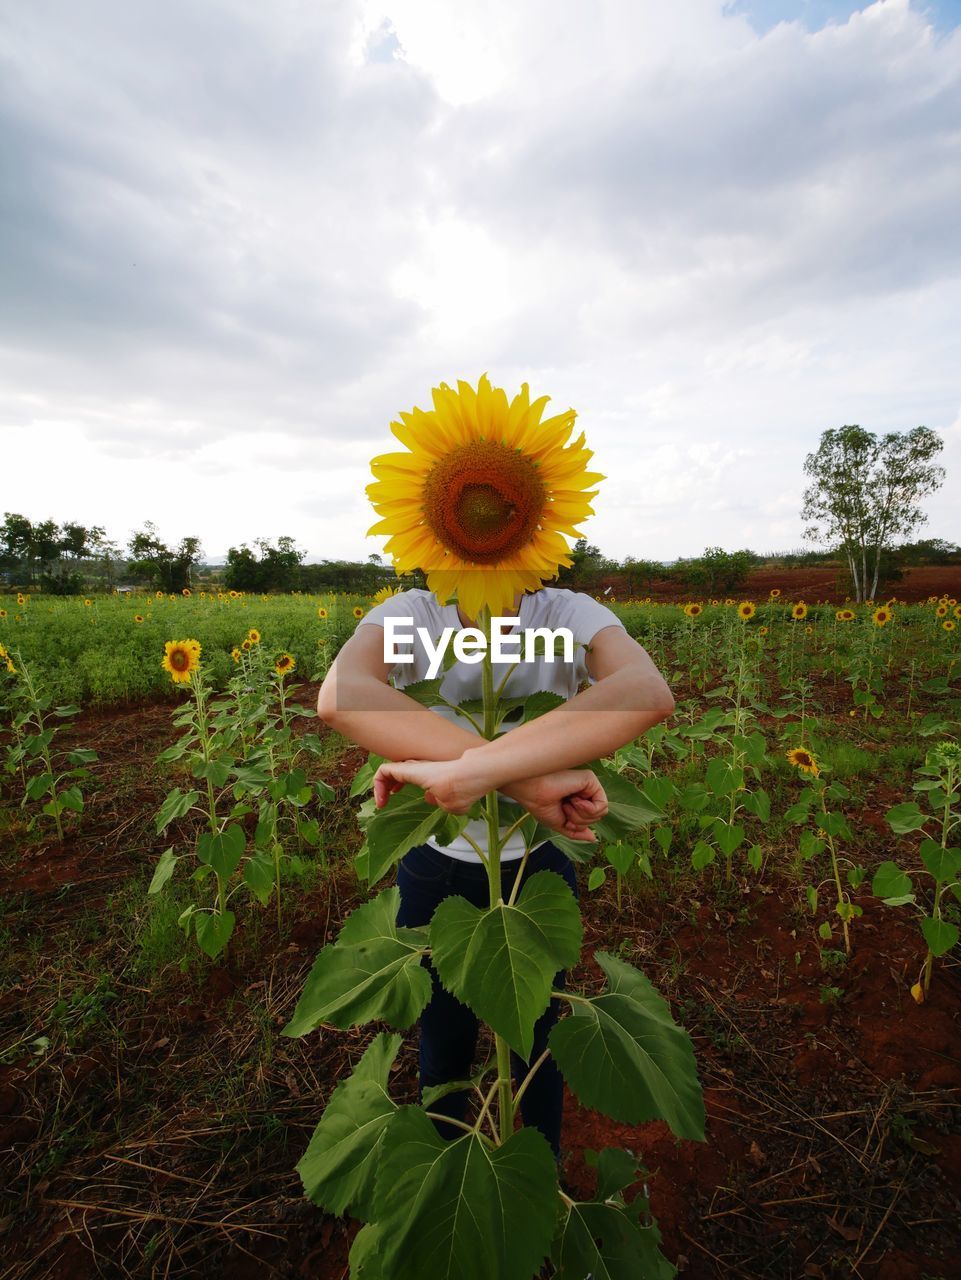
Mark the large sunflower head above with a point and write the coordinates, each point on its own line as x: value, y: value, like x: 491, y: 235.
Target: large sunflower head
x: 746, y: 609
x: 800, y: 610
x: 484, y: 495
x: 804, y: 760
x: 693, y: 609
x: 180, y: 658
x: 253, y: 635
x: 881, y: 615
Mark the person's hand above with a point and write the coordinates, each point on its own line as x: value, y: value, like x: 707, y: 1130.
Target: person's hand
x: 566, y: 801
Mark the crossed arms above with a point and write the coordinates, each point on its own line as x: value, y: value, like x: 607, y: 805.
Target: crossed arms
x: 536, y: 764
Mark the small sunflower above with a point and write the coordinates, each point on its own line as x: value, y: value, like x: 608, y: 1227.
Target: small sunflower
x: 185, y: 591
x: 88, y: 603
x: 234, y: 595
x: 728, y: 601
x: 799, y: 611
x: 746, y: 609
x: 358, y: 611
x: 845, y: 615
x: 203, y: 595
x: 948, y: 624
x: 952, y: 601
x: 235, y: 654
x: 762, y: 631
x: 881, y: 615
x: 485, y: 494
x: 246, y: 645
x: 693, y: 609
x: 322, y: 613
x: 774, y: 592
x: 21, y: 599
x: 159, y: 595
x: 385, y: 593
x: 808, y: 630
x: 284, y: 664
x: 253, y: 635
x: 180, y: 658
x: 942, y: 610
x: 138, y: 617
x: 804, y: 760
x: 3, y: 613
x: 957, y: 610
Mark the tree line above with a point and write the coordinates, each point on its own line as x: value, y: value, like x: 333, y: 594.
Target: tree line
x: 864, y: 494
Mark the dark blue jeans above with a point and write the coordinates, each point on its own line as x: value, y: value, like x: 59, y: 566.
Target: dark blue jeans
x: 448, y: 1029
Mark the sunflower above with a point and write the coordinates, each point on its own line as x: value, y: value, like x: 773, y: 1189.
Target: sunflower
x: 385, y: 593
x: 88, y: 603
x: 321, y: 612
x: 284, y: 664
x: 235, y: 654
x: 729, y: 601
x: 948, y: 624
x: 845, y: 615
x: 484, y: 496
x: 762, y: 631
x: 358, y: 611
x: 942, y: 610
x: 185, y: 591
x: 246, y: 645
x: 159, y: 595
x: 952, y: 601
x: 715, y: 603
x: 799, y: 611
x: 693, y: 609
x: 957, y: 610
x: 180, y: 658
x: 138, y: 617
x: 3, y: 613
x: 881, y: 615
x: 804, y: 760
x: 746, y: 609
x: 10, y: 667
x: 808, y: 630
x: 203, y: 595
x: 253, y: 635
x: 20, y: 598
x: 233, y: 595
x: 774, y: 592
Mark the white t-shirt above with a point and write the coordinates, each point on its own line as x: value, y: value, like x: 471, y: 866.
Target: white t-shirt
x: 549, y: 607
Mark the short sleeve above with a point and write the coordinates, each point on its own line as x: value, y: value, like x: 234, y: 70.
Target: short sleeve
x: 585, y: 616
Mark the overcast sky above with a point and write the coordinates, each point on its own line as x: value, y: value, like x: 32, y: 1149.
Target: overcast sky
x: 238, y: 238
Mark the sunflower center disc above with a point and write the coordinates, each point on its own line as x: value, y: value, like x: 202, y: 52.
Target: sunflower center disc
x: 178, y: 659
x: 483, y: 501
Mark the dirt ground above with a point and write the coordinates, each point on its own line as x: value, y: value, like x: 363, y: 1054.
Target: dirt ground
x: 161, y: 1141
x: 809, y: 585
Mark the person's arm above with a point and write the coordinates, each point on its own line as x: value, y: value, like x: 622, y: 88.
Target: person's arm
x: 629, y: 697
x: 356, y: 701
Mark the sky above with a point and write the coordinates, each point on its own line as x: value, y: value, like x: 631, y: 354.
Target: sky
x: 237, y: 239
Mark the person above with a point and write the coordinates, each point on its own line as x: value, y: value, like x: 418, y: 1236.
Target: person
x: 537, y: 765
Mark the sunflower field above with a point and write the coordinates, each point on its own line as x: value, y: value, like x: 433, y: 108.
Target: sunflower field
x: 180, y: 838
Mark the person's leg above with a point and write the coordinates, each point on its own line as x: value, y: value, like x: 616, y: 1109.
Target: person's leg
x: 543, y: 1101
x: 448, y: 1029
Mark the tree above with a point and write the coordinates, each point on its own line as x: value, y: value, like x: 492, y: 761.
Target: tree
x: 167, y: 568
x: 586, y: 561
x: 864, y: 492
x: 716, y: 570
x: 276, y: 568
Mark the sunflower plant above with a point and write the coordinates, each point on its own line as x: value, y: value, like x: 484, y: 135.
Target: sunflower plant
x: 939, y: 787
x: 827, y: 827
x: 480, y: 502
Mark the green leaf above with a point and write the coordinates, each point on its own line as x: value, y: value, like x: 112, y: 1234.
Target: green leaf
x: 373, y: 971
x: 834, y: 824
x: 604, y: 1241
x: 461, y: 1210
x: 597, y: 877
x: 222, y: 851
x: 702, y: 855
x: 82, y: 756
x: 164, y: 869
x: 811, y: 844
x: 722, y: 778
x: 693, y: 797
x: 213, y: 930
x: 891, y: 882
x: 628, y: 807
x: 39, y: 785
x: 259, y: 876
x: 825, y: 931
x: 659, y: 791
x: 622, y: 1053
x: 405, y: 821
x: 364, y: 777
x: 426, y: 692
x: 501, y: 962
x: 365, y: 1254
x: 663, y: 837
x: 621, y: 857
x: 905, y: 817
x: 63, y: 712
x: 215, y: 771
x: 755, y: 856
x: 340, y: 1164
x: 812, y: 897
x: 940, y: 935
x: 729, y: 836
x: 174, y: 806
x: 944, y: 864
